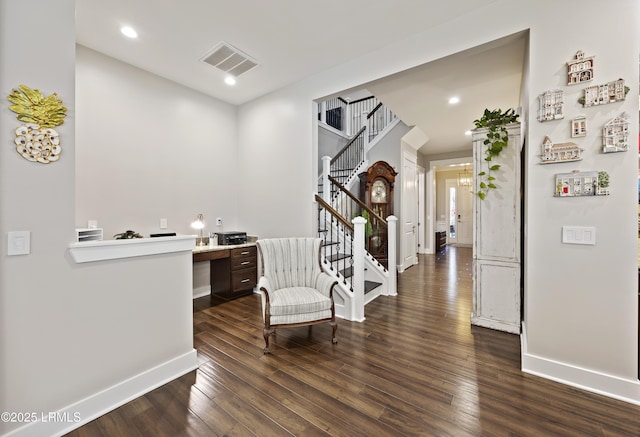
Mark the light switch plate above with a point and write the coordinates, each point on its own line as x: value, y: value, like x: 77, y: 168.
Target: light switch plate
x: 579, y: 235
x: 163, y: 223
x: 18, y: 243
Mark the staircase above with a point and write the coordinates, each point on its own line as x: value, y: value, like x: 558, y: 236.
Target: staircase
x: 361, y: 277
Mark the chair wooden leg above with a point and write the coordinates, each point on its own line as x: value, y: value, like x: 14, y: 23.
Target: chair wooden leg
x: 266, y: 332
x: 334, y: 327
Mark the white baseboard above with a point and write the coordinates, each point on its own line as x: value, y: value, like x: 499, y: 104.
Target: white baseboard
x: 597, y: 382
x: 94, y: 406
x: 205, y: 290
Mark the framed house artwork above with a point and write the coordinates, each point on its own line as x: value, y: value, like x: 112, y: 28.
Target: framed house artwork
x: 581, y: 184
x: 560, y: 152
x: 602, y: 94
x: 579, y: 69
x: 579, y: 126
x: 615, y: 134
x: 551, y: 105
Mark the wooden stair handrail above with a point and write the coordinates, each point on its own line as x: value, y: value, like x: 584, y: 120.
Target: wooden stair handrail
x: 346, y: 146
x: 334, y: 213
x: 378, y: 106
x: 360, y: 203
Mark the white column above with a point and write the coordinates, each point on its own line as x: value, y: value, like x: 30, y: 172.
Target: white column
x: 357, y: 280
x: 323, y: 112
x: 348, y: 122
x: 392, y: 223
x: 326, y: 187
x: 364, y: 122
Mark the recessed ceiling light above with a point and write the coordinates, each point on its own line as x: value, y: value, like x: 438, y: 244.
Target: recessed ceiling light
x: 129, y: 32
x: 454, y: 100
x: 230, y: 80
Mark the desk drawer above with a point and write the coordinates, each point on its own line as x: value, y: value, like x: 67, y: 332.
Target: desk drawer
x: 244, y: 252
x: 243, y: 263
x: 242, y: 280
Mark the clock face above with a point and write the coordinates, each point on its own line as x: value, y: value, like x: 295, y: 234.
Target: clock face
x: 378, y: 192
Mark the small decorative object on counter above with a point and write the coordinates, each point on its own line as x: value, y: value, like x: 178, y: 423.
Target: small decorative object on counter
x: 126, y: 235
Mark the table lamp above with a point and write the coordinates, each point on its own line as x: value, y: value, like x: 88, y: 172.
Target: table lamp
x: 198, y: 223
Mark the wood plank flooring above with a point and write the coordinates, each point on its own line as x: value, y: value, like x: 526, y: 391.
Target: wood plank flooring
x: 415, y: 367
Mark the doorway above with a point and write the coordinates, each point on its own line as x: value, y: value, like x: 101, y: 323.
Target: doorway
x: 438, y: 216
x: 459, y: 213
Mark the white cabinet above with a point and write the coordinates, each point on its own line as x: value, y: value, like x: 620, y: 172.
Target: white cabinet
x: 497, y: 235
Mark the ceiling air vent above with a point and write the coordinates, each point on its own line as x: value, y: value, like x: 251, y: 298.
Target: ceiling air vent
x: 229, y: 59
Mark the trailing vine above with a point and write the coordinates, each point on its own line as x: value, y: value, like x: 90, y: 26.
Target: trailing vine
x: 497, y: 139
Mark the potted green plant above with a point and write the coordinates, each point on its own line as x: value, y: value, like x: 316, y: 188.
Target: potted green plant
x: 497, y: 139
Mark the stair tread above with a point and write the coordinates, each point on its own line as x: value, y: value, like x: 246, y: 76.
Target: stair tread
x: 338, y: 256
x: 370, y: 286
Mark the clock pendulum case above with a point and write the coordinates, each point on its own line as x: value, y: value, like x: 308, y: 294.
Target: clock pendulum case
x: 376, y: 191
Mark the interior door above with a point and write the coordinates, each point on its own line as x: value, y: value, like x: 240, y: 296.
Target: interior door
x: 409, y: 245
x: 451, y: 194
x: 464, y: 217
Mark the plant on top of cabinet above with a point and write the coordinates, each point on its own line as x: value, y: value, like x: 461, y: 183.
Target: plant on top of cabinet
x: 497, y: 139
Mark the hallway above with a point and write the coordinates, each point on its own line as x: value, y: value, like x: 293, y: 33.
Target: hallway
x: 415, y: 367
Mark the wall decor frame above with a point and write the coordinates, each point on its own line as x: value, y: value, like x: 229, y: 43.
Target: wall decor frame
x: 611, y: 92
x: 579, y: 69
x: 581, y: 184
x: 551, y: 153
x: 615, y: 134
x: 579, y: 126
x: 551, y: 105
x: 37, y: 140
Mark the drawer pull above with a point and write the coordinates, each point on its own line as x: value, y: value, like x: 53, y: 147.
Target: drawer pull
x: 245, y: 280
x: 245, y: 262
x: 244, y: 253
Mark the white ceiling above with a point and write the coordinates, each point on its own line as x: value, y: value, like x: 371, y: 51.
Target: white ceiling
x: 488, y: 76
x: 293, y: 39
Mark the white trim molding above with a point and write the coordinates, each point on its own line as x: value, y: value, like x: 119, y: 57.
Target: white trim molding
x: 109, y: 399
x: 103, y: 250
x: 586, y: 379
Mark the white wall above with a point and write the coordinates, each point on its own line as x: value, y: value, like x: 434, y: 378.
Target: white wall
x: 69, y: 332
x: 330, y: 142
x: 148, y: 149
x: 581, y: 304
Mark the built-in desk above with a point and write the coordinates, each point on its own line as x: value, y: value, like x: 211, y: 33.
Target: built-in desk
x: 233, y: 269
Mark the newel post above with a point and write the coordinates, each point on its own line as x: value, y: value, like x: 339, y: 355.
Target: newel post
x: 326, y: 188
x: 357, y: 280
x: 392, y: 227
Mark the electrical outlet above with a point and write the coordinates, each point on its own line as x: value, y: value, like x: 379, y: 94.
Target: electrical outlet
x: 163, y: 223
x: 219, y: 221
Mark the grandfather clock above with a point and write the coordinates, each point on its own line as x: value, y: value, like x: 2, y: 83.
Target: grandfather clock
x: 376, y: 191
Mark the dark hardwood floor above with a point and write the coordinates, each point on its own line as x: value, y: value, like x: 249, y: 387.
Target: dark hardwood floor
x: 415, y: 367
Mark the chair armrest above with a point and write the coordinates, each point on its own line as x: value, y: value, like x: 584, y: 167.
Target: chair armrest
x: 263, y: 284
x: 325, y: 283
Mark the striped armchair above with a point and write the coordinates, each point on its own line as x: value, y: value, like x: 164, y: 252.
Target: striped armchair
x: 295, y: 291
